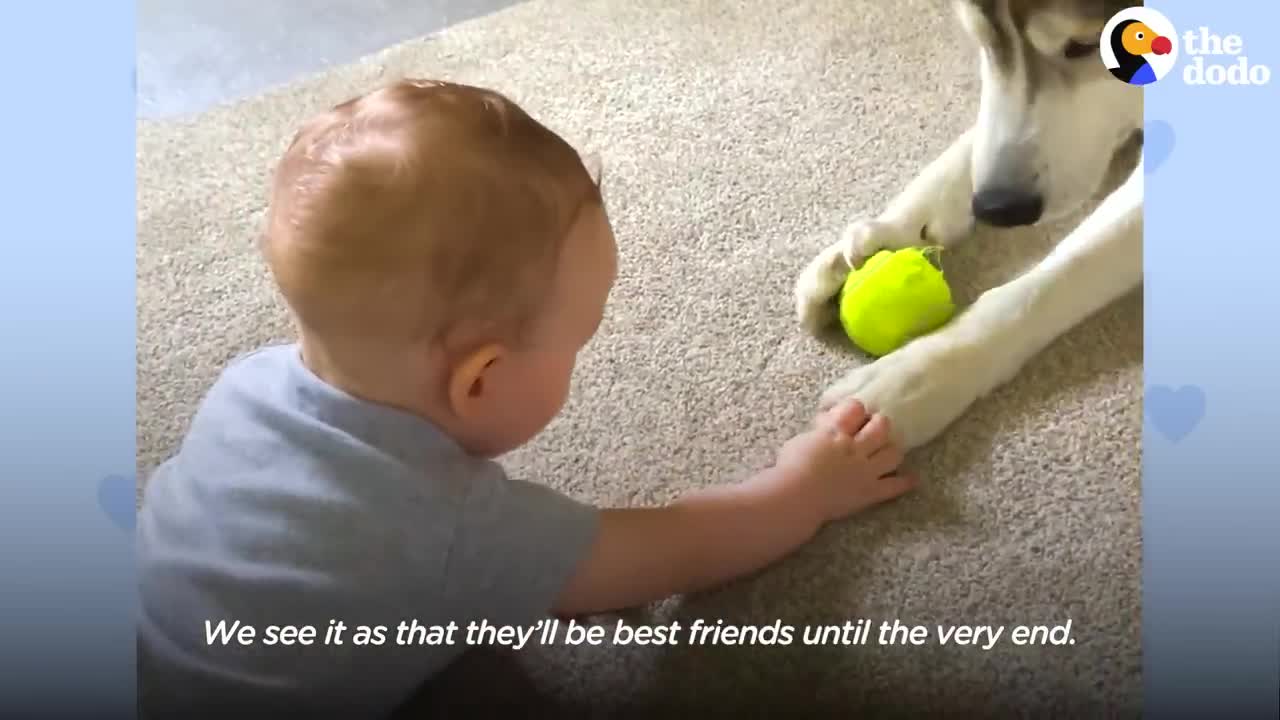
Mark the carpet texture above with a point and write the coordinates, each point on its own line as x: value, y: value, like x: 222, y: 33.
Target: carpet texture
x: 738, y: 138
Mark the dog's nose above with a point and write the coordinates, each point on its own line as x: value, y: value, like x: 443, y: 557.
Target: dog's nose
x: 1002, y: 207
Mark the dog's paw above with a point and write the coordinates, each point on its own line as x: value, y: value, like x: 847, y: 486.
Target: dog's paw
x: 817, y: 287
x: 819, y: 284
x: 922, y: 388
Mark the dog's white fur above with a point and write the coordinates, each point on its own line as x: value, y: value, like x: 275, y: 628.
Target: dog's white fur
x: 1066, y: 135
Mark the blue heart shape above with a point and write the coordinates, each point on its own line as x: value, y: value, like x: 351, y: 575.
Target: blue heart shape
x: 117, y: 495
x: 1175, y: 413
x: 1158, y: 140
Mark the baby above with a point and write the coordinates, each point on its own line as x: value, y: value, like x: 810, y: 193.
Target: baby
x: 446, y: 257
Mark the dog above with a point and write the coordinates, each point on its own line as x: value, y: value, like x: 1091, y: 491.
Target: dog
x: 1051, y: 121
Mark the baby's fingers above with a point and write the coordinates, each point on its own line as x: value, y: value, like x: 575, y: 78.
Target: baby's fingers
x: 873, y: 436
x: 885, y: 460
x: 847, y: 417
x: 890, y: 487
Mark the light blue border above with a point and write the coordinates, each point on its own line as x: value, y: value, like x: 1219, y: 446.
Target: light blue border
x: 67, y: 333
x: 1211, y: 466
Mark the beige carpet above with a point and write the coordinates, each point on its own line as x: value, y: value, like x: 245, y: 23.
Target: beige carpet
x: 738, y: 137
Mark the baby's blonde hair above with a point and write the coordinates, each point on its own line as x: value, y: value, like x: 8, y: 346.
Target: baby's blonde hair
x: 400, y: 214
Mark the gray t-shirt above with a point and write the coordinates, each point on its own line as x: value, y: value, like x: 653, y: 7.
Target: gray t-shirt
x: 291, y: 502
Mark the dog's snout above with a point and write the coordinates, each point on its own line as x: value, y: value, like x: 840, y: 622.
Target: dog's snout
x: 1004, y: 207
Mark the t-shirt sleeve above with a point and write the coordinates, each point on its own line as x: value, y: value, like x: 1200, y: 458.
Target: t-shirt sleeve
x: 515, y: 548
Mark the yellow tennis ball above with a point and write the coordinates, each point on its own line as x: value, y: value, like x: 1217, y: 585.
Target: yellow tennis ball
x: 895, y: 297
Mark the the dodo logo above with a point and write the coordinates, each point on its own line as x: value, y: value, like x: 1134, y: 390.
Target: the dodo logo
x: 1139, y: 45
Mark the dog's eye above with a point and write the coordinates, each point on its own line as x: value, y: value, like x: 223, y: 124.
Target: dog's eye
x: 1075, y: 50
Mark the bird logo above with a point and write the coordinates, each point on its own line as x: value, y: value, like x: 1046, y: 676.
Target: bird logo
x: 1138, y: 46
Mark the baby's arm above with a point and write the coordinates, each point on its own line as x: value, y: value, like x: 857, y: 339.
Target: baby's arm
x: 711, y: 536
x: 708, y: 537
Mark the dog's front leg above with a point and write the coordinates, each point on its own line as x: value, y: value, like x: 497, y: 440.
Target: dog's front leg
x: 933, y: 209
x: 928, y: 384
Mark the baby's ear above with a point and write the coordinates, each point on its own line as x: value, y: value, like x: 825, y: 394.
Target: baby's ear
x: 594, y: 165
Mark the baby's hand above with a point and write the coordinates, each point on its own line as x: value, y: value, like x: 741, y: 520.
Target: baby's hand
x: 840, y: 467
x: 845, y: 465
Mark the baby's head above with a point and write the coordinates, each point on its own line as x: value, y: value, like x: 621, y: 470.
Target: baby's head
x: 444, y: 253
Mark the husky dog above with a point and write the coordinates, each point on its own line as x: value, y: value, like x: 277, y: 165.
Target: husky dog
x: 1051, y: 121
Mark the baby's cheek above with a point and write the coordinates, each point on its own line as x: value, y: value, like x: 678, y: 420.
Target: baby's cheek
x: 563, y: 381
x: 547, y: 388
